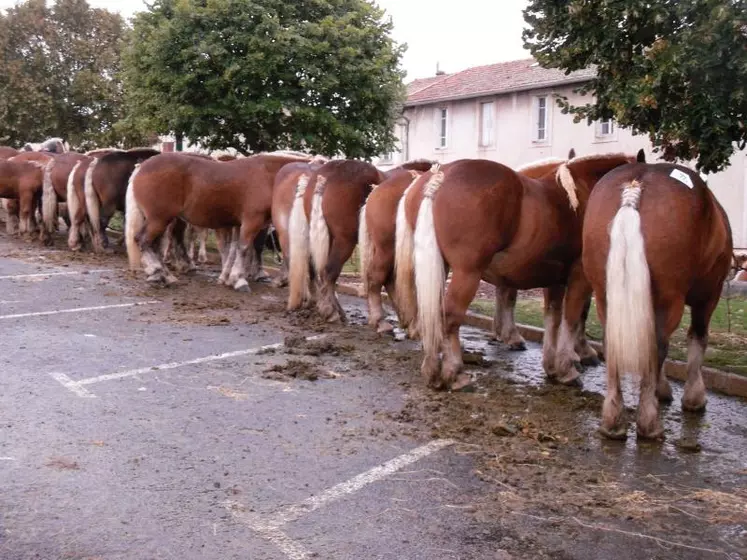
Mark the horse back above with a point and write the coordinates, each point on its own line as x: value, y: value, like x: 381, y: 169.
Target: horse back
x: 687, y: 236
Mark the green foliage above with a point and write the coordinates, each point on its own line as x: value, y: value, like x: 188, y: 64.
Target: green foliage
x: 266, y: 74
x: 675, y: 70
x: 59, y: 74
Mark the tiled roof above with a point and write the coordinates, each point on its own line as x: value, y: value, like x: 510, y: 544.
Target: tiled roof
x: 504, y: 77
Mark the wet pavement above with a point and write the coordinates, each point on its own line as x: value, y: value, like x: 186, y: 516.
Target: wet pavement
x: 138, y: 423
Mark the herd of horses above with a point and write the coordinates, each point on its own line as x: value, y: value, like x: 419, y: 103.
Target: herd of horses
x: 645, y: 239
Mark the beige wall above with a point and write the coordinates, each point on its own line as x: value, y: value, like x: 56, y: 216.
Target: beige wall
x: 514, y: 146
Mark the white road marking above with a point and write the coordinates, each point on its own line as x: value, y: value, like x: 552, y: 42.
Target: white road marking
x: 77, y: 386
x: 44, y: 274
x: 269, y: 527
x: 77, y: 310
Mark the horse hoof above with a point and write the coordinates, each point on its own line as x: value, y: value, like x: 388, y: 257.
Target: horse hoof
x: 384, y: 328
x: 571, y: 379
x: 656, y: 433
x: 693, y: 407
x: 590, y: 361
x: 242, y: 286
x: 279, y: 283
x: 618, y: 433
x: 155, y: 278
x: 517, y: 346
x: 463, y: 384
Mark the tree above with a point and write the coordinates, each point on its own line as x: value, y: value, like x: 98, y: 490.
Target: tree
x: 260, y: 75
x: 59, y: 74
x: 675, y: 70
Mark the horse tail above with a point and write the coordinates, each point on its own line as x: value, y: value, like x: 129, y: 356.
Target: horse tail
x: 49, y: 200
x: 93, y: 206
x: 630, y: 334
x: 430, y: 270
x: 365, y: 249
x: 404, y: 272
x: 134, y: 222
x: 318, y: 230
x: 298, y: 234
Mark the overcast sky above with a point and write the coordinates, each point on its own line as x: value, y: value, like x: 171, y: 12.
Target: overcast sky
x: 456, y: 34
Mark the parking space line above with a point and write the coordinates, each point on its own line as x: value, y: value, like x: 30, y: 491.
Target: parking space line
x: 77, y: 310
x: 78, y: 386
x: 43, y: 274
x: 268, y: 527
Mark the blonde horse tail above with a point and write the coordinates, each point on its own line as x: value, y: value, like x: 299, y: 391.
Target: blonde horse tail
x: 404, y: 272
x: 49, y: 200
x: 134, y: 222
x: 630, y: 335
x: 298, y: 234
x: 318, y: 230
x: 93, y: 207
x: 430, y: 270
x: 365, y: 249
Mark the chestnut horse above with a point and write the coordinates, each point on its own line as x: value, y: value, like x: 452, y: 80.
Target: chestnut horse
x: 205, y: 193
x: 55, y: 190
x: 9, y: 205
x: 523, y: 232
x: 21, y: 179
x: 288, y: 181
x: 328, y: 209
x: 105, y: 188
x: 655, y: 239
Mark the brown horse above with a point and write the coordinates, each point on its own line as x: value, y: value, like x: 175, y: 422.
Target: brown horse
x: 655, y: 239
x: 21, y: 179
x: 105, y: 188
x: 330, y: 205
x: 9, y: 205
x: 55, y: 190
x: 288, y: 181
x: 522, y: 232
x: 376, y: 237
x: 208, y: 194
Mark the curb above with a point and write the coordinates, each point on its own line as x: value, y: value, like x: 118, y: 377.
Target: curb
x: 715, y: 380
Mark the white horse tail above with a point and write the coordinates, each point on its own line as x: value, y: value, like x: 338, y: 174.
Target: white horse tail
x: 430, y: 270
x: 93, y: 206
x: 298, y: 234
x: 365, y: 249
x: 404, y: 272
x: 134, y: 222
x: 318, y: 230
x: 49, y: 200
x: 630, y: 335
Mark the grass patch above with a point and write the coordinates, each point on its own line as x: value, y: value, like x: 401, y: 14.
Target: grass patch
x: 726, y: 345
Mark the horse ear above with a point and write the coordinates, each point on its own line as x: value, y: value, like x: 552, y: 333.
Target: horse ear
x: 641, y: 156
x: 571, y: 153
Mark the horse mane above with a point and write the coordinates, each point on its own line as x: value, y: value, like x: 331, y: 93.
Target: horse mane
x: 285, y: 153
x: 421, y: 164
x: 539, y: 163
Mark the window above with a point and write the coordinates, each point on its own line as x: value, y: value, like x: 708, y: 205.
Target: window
x: 443, y: 127
x: 540, y: 115
x: 486, y: 124
x: 605, y: 128
x: 387, y: 157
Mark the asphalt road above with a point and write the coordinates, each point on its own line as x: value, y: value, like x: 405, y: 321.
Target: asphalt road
x: 125, y: 437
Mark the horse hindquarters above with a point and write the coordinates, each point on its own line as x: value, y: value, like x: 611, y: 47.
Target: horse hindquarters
x: 630, y: 332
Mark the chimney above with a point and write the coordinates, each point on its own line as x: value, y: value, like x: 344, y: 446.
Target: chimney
x: 439, y: 72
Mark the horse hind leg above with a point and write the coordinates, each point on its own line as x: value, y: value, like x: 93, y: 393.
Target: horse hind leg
x: 694, y: 397
x: 587, y: 355
x: 154, y: 268
x: 504, y: 323
x: 553, y: 315
x: 327, y: 304
x: 459, y: 295
x: 379, y: 272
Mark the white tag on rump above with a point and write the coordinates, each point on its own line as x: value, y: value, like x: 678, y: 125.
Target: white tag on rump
x: 682, y: 177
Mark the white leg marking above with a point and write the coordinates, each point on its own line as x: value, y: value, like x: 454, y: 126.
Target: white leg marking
x: 45, y: 274
x: 68, y: 383
x: 76, y: 310
x: 269, y: 527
